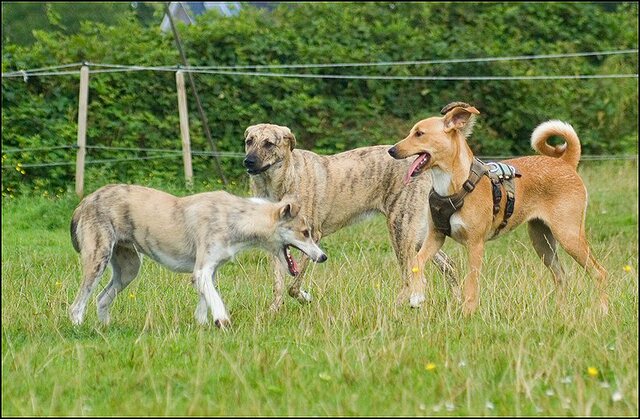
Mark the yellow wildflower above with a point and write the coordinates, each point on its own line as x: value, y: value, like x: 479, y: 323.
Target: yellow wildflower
x: 324, y: 376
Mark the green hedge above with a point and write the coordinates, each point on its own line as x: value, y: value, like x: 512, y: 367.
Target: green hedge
x: 139, y: 109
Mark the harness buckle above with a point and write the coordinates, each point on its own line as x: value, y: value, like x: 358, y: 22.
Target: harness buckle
x: 468, y: 185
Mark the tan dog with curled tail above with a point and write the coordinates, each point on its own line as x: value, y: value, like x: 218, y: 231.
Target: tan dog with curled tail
x: 549, y: 195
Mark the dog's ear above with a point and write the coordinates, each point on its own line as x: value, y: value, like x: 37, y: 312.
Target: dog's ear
x: 289, y: 210
x: 288, y: 135
x: 452, y: 105
x: 460, y: 118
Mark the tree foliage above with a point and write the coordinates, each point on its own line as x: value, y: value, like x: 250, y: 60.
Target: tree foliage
x: 139, y: 109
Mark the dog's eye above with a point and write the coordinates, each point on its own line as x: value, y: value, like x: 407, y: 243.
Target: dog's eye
x: 269, y: 145
x: 419, y: 133
x: 305, y: 233
x: 249, y: 142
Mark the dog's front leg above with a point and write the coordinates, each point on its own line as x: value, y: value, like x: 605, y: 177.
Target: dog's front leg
x: 204, y: 281
x: 295, y: 290
x: 202, y: 310
x: 475, y: 250
x: 278, y: 285
x: 432, y: 243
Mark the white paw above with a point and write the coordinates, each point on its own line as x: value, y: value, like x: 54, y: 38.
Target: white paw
x: 416, y: 300
x: 201, y: 315
x: 304, y: 297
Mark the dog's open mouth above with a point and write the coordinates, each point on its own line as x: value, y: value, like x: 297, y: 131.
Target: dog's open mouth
x: 291, y: 263
x: 417, y: 166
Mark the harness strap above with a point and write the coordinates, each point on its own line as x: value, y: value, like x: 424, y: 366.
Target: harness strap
x: 503, y: 174
x: 443, y: 207
x: 497, y: 196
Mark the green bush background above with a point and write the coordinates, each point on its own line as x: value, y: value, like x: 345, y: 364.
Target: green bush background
x: 139, y: 109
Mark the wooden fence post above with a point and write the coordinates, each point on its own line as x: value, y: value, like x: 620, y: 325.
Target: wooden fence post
x: 82, y: 129
x: 184, y: 129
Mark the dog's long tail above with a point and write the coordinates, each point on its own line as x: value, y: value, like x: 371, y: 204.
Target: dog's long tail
x: 570, y: 151
x: 74, y: 231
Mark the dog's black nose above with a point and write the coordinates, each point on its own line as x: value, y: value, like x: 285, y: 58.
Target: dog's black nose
x: 392, y: 152
x: 250, y: 162
x: 322, y: 258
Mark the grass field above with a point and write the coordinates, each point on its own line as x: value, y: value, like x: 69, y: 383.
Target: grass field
x: 352, y: 351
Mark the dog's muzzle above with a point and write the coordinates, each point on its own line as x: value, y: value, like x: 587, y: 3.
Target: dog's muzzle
x: 393, y: 152
x: 251, y: 163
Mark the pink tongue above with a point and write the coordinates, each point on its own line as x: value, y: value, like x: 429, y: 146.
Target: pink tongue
x: 293, y: 266
x: 414, y: 165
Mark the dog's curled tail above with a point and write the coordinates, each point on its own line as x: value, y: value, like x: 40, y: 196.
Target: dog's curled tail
x: 570, y: 151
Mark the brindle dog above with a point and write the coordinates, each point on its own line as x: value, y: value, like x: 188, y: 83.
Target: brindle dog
x: 337, y: 190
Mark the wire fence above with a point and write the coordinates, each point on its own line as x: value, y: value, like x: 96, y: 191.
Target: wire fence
x: 242, y: 70
x: 234, y: 70
x: 168, y: 153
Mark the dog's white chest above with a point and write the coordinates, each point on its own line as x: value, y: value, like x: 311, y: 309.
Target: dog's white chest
x: 458, y: 227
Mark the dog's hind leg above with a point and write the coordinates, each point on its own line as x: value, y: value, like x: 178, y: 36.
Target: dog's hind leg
x: 572, y: 238
x: 545, y: 246
x: 125, y: 264
x: 95, y: 254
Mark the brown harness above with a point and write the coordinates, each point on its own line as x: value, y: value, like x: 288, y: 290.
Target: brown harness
x: 443, y: 207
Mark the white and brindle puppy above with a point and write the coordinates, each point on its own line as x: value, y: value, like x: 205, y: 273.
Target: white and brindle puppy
x: 550, y: 195
x: 337, y: 190
x: 195, y: 233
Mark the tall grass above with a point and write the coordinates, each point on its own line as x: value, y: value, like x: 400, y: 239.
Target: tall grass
x: 352, y: 351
